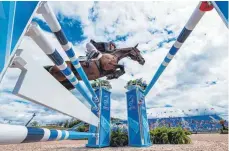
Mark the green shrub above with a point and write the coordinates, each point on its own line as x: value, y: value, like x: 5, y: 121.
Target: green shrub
x: 119, y: 138
x: 53, y: 127
x: 187, y: 132
x: 73, y: 123
x: 164, y: 135
x: 82, y: 128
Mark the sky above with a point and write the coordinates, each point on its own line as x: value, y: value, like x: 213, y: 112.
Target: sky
x: 197, y: 77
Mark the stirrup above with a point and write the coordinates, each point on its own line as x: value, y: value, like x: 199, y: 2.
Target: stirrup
x: 91, y: 55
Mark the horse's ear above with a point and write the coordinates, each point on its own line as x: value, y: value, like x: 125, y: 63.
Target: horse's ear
x: 136, y: 46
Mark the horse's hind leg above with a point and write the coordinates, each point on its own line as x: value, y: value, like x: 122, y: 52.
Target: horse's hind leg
x: 55, y: 72
x: 115, y: 75
x: 67, y: 84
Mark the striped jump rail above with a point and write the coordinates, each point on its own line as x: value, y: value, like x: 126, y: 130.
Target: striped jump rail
x: 15, y: 134
x: 55, y: 27
x: 190, y: 25
x: 39, y: 38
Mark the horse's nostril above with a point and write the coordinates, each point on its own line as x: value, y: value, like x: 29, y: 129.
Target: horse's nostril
x: 143, y: 62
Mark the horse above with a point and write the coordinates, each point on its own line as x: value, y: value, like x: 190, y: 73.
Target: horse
x: 107, y: 66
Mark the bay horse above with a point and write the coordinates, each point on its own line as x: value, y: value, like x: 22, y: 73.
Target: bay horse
x: 107, y: 66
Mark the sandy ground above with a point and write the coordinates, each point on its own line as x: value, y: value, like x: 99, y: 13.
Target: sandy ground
x: 200, y: 142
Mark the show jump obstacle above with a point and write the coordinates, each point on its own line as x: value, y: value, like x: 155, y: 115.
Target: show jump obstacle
x: 138, y: 128
x: 15, y: 23
x: 64, y: 101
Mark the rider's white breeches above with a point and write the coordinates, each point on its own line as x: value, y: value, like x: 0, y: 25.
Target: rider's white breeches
x: 90, y: 48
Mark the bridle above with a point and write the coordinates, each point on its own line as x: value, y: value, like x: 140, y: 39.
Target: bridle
x: 126, y: 53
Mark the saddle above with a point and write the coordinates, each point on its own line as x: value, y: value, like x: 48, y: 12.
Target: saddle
x: 88, y: 61
x: 110, y: 74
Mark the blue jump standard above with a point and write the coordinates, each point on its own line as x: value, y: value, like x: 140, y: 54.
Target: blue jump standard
x: 103, y: 130
x: 138, y: 127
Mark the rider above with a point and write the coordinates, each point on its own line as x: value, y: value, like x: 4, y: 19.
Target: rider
x: 95, y: 49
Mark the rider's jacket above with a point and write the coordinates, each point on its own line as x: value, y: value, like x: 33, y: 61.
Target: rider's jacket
x: 103, y: 46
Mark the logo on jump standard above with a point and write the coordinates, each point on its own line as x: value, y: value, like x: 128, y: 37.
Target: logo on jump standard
x: 131, y: 105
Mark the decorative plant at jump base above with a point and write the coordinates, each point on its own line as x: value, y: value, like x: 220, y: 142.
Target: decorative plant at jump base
x: 139, y: 82
x: 119, y: 137
x: 224, y: 129
x: 101, y: 83
x: 165, y: 135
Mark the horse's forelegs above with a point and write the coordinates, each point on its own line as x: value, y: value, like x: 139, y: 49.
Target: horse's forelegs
x: 56, y: 73
x: 121, y: 67
x: 116, y: 74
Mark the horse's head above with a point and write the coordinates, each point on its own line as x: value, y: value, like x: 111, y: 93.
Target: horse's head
x: 135, y: 55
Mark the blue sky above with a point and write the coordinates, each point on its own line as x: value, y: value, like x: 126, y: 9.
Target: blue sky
x: 72, y: 28
x: 196, y: 78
